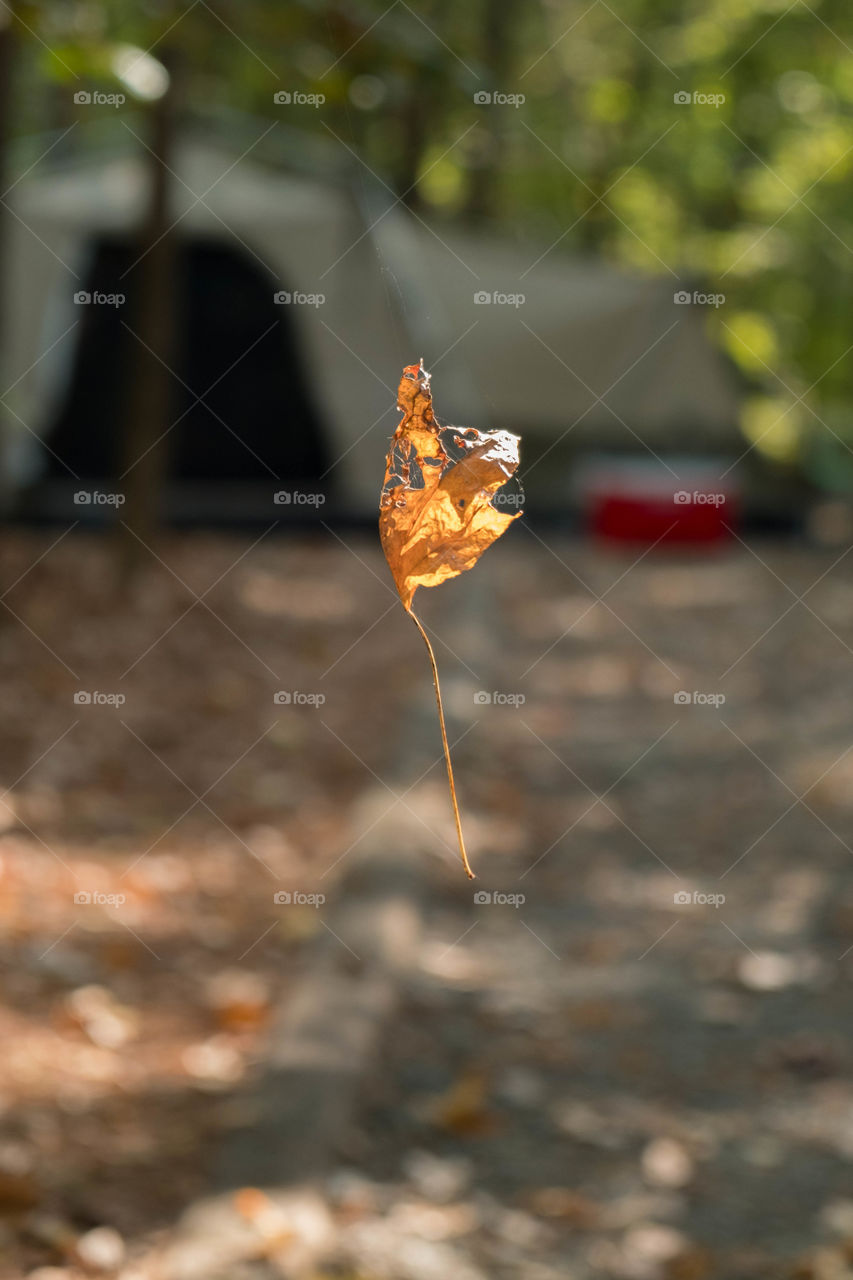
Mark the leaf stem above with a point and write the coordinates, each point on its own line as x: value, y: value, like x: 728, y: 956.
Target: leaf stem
x: 469, y: 873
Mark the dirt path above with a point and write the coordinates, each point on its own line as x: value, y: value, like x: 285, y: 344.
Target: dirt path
x: 601, y: 1080
x: 642, y: 1069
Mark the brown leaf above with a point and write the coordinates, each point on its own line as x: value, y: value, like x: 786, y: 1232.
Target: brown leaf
x: 571, y: 1206
x: 17, y: 1191
x: 449, y: 492
x: 438, y: 509
x: 268, y: 1218
x: 464, y: 1108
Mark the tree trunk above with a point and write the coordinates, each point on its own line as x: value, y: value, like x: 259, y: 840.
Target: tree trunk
x: 8, y: 37
x: 483, y: 194
x: 413, y: 135
x: 144, y: 447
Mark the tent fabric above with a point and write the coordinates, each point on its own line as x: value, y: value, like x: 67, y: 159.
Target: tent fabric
x: 583, y: 331
x: 394, y: 290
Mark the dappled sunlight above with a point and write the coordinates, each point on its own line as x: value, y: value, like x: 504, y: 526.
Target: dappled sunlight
x: 297, y: 599
x: 256, y: 1022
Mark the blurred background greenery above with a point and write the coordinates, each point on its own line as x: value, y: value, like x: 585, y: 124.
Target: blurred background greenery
x: 748, y: 194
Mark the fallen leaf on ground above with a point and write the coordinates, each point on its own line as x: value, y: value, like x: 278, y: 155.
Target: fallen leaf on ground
x: 464, y: 1109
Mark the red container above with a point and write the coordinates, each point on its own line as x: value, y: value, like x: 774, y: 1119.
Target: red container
x: 641, y: 501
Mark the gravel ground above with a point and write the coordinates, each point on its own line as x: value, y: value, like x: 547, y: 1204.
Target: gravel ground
x: 632, y: 1061
x: 643, y: 1068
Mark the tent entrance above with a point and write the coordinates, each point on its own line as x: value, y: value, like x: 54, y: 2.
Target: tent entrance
x: 243, y: 423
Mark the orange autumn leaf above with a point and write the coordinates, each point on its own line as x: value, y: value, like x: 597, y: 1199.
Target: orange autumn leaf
x: 449, y: 493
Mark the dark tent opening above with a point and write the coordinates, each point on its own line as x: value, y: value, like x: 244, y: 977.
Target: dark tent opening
x: 243, y: 423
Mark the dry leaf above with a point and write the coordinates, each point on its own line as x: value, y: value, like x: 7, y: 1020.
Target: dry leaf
x: 449, y: 492
x: 463, y: 1109
x: 268, y: 1218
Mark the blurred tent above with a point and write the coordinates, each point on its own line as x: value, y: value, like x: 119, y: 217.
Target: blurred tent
x: 270, y: 394
x: 593, y: 359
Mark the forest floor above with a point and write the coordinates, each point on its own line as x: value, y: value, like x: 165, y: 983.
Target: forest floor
x: 631, y: 1061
